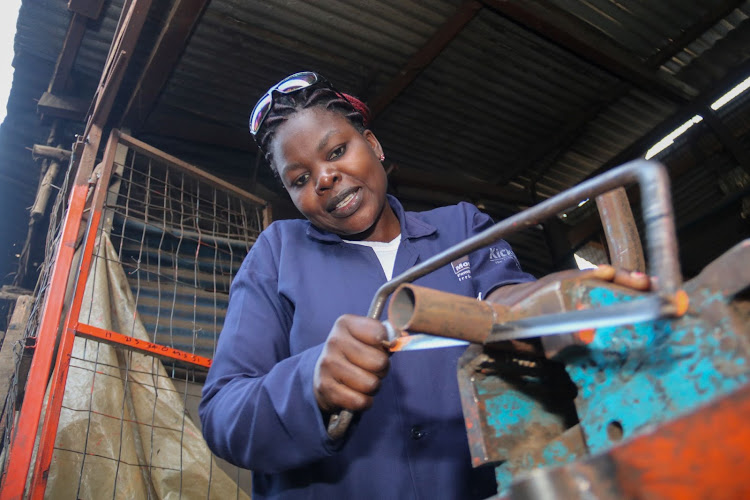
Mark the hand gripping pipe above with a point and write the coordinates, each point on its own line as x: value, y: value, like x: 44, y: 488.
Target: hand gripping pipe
x: 661, y: 238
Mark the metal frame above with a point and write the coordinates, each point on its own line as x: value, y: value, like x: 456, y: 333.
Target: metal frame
x: 25, y: 433
x: 22, y: 443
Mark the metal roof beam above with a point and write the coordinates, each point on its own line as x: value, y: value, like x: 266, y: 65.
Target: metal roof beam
x: 88, y: 8
x: 566, y: 30
x: 120, y: 52
x: 82, y: 9
x: 424, y: 56
x: 164, y: 56
x: 61, y: 106
x: 68, y: 54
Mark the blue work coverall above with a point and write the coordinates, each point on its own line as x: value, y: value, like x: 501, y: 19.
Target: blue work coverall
x: 258, y: 409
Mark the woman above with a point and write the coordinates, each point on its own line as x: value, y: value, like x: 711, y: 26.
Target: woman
x: 295, y: 346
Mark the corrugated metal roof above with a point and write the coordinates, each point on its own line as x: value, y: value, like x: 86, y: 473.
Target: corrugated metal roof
x: 637, y: 113
x: 499, y: 104
x: 250, y: 45
x: 643, y: 28
x: 610, y: 133
x: 480, y: 105
x: 709, y: 56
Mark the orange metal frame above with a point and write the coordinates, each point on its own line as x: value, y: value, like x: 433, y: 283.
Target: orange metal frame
x: 25, y: 431
x: 110, y: 337
x: 60, y: 376
x: 19, y: 458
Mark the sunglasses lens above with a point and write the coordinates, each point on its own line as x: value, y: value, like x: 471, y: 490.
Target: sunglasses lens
x: 259, y: 113
x: 296, y: 82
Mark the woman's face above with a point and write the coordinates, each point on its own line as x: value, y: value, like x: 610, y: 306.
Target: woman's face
x: 333, y: 175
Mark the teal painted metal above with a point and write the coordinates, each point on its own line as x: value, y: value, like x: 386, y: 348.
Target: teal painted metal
x: 652, y: 372
x: 628, y: 379
x: 516, y: 413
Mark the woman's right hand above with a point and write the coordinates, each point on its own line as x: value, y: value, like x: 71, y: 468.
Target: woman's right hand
x: 353, y: 362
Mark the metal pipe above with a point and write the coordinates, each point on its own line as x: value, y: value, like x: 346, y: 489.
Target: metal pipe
x: 421, y: 309
x: 661, y: 238
x: 625, y: 250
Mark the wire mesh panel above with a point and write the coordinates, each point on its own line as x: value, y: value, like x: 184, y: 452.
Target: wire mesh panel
x: 164, y: 245
x: 180, y: 241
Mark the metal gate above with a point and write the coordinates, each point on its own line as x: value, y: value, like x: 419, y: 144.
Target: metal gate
x: 140, y: 321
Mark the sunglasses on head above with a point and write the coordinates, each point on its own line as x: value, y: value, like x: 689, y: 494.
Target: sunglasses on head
x: 289, y: 85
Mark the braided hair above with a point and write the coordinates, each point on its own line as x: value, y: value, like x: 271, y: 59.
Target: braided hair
x: 285, y: 105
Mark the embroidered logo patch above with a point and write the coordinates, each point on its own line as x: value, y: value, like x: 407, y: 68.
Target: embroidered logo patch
x: 462, y: 268
x: 498, y: 255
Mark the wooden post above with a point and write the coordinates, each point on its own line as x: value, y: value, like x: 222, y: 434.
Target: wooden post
x: 267, y: 216
x: 59, y: 154
x: 9, y: 292
x: 13, y: 335
x: 37, y: 210
x: 45, y: 189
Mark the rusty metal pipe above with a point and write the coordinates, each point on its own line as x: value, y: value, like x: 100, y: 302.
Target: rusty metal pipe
x: 625, y: 250
x: 419, y: 309
x: 661, y: 237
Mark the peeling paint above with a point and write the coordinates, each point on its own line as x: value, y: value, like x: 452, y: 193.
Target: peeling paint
x: 630, y: 379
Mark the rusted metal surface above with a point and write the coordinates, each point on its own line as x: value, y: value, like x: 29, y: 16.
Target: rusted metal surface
x: 727, y: 276
x: 501, y: 396
x: 626, y: 380
x: 625, y: 250
x: 647, y: 374
x: 623, y: 380
x: 701, y: 455
x: 551, y: 312
x: 563, y: 449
